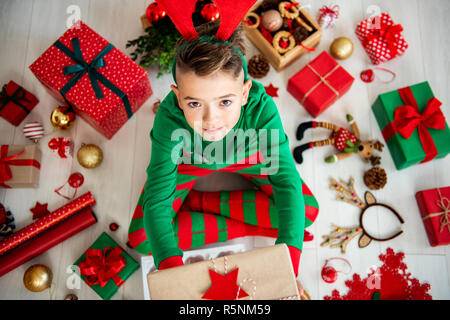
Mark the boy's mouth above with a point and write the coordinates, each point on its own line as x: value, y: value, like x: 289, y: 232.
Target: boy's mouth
x: 212, y: 131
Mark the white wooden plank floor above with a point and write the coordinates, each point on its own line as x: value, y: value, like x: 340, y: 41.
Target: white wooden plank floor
x: 28, y: 27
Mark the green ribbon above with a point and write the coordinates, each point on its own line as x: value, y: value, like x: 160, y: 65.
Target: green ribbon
x: 352, y: 147
x: 17, y: 97
x: 209, y: 39
x: 82, y: 68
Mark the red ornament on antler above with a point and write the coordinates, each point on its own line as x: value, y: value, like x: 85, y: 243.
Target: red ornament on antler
x: 231, y: 14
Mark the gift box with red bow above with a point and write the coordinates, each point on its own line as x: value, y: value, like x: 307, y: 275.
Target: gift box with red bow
x: 413, y: 125
x: 102, y: 84
x: 381, y: 38
x: 434, y: 205
x: 62, y: 146
x: 318, y: 85
x: 105, y: 266
x: 19, y: 166
x: 16, y: 103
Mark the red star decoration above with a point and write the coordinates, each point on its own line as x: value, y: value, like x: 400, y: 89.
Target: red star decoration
x: 272, y: 91
x: 39, y: 210
x: 224, y: 287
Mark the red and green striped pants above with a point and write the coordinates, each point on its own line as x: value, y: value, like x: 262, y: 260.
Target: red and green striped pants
x: 201, y: 218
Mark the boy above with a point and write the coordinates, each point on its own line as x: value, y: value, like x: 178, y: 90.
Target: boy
x: 197, y: 131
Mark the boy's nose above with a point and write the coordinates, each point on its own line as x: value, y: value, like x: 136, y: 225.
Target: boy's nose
x: 210, y: 115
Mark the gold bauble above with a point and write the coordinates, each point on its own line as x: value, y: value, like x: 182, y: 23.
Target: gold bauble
x: 62, y: 118
x: 90, y: 156
x: 37, y: 278
x: 341, y: 48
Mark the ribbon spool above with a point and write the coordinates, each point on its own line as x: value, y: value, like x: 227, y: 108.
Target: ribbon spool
x: 369, y: 75
x: 330, y: 274
x: 75, y: 180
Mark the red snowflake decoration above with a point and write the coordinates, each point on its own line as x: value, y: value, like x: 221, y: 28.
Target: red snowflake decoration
x: 390, y: 282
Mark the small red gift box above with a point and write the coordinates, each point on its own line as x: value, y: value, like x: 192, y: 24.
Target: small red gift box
x: 381, y: 38
x: 102, y: 84
x: 434, y: 205
x: 16, y: 103
x: 318, y: 85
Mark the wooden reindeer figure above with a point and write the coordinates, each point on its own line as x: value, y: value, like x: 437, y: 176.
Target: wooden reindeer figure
x: 345, y: 141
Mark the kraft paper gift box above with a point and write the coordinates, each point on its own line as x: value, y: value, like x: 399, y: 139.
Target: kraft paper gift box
x: 260, y: 274
x: 412, y: 125
x: 102, y: 84
x: 20, y: 166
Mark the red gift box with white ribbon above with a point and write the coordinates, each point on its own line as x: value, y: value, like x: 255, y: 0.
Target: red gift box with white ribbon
x: 381, y: 38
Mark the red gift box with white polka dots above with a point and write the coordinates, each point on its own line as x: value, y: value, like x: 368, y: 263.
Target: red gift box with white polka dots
x: 381, y: 38
x: 110, y: 112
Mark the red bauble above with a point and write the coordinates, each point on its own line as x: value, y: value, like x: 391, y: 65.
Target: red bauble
x: 210, y: 12
x: 329, y: 274
x: 113, y: 226
x: 76, y: 180
x: 367, y: 75
x: 154, y: 13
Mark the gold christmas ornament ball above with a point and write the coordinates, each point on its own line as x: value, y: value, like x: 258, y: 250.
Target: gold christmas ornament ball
x: 62, y: 118
x: 37, y: 278
x: 341, y: 48
x: 89, y: 156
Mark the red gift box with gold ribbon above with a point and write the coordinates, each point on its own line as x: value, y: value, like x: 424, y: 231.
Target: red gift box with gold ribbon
x: 318, y: 85
x: 434, y: 205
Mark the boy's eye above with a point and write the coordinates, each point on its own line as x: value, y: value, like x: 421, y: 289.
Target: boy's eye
x: 226, y: 103
x: 194, y: 104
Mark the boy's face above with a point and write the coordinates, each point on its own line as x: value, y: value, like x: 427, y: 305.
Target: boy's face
x: 211, y: 104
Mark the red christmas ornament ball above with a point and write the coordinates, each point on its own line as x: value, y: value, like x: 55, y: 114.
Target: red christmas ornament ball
x: 210, y: 12
x: 76, y: 180
x: 329, y: 274
x: 367, y: 75
x: 113, y: 226
x: 154, y: 13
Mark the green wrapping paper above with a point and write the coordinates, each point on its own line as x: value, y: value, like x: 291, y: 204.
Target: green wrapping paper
x: 98, y: 265
x: 408, y: 152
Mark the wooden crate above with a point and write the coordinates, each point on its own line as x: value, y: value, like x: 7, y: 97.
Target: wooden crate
x: 278, y: 61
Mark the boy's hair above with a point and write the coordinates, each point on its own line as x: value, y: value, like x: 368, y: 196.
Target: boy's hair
x: 207, y: 57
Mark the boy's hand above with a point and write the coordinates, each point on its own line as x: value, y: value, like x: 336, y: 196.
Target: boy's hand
x: 171, y: 262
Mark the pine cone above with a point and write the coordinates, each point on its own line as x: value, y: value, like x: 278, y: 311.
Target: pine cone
x: 258, y: 66
x: 300, y: 34
x: 375, y: 178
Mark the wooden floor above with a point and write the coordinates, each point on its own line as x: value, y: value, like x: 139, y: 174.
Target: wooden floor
x: 28, y: 27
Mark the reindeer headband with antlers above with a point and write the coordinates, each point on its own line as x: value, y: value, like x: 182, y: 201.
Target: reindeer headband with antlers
x: 231, y: 14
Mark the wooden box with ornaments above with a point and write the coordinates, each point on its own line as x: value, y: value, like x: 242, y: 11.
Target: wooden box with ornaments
x: 282, y: 31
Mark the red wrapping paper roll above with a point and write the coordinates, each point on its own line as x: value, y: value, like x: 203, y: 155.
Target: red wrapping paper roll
x: 45, y: 223
x: 47, y: 240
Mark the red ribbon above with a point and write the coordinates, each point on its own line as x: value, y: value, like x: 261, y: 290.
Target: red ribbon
x: 101, y: 266
x: 288, y: 6
x: 389, y: 33
x: 334, y: 11
x: 407, y: 118
x: 60, y: 145
x: 5, y: 162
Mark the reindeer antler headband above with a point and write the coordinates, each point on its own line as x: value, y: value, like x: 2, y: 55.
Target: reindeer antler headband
x: 231, y: 14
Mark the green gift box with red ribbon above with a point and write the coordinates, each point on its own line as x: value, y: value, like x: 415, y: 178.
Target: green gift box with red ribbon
x: 413, y: 125
x: 105, y: 266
